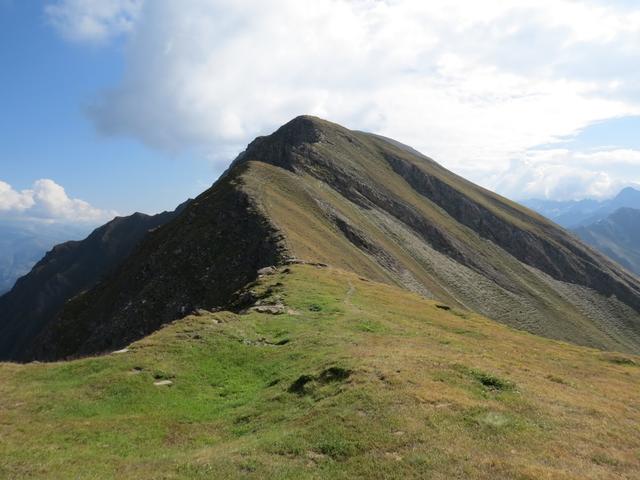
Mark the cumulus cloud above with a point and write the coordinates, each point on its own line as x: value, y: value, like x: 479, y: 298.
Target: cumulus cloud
x: 93, y: 20
x: 14, y: 201
x: 48, y: 201
x: 476, y: 85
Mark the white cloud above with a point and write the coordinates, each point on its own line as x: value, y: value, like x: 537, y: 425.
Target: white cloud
x: 93, y: 20
x: 48, y: 201
x: 14, y: 201
x: 473, y: 84
x: 561, y: 174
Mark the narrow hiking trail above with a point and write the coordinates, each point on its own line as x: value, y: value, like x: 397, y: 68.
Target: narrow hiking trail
x: 350, y: 292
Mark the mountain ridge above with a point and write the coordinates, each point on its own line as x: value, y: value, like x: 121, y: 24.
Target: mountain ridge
x: 316, y: 191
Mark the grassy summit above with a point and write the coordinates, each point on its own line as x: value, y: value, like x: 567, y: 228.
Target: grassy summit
x: 356, y: 379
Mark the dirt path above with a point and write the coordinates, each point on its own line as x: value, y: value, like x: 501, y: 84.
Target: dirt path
x: 349, y: 294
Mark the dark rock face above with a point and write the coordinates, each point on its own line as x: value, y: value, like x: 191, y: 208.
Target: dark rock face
x: 197, y: 261
x: 617, y: 236
x: 67, y: 270
x: 554, y: 253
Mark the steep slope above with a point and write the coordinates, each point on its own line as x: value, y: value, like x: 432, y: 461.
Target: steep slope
x: 617, y: 236
x: 357, y: 380
x: 316, y: 191
x: 67, y: 270
x: 198, y: 260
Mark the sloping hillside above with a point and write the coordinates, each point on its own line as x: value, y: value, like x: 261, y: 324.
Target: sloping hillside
x: 316, y: 191
x: 617, y: 236
x: 355, y: 379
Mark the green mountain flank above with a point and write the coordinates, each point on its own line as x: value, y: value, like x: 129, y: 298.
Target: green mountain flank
x: 336, y: 305
x: 352, y: 379
x: 316, y: 191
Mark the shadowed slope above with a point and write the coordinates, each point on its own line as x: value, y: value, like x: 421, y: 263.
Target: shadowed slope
x: 213, y: 248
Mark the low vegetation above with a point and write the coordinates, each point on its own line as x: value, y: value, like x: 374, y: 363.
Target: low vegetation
x: 355, y: 379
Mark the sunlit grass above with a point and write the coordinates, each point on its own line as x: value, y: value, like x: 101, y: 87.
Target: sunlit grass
x: 393, y: 387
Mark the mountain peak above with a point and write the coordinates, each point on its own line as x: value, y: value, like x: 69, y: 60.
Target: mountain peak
x: 292, y: 146
x: 628, y: 193
x: 319, y: 193
x: 301, y: 129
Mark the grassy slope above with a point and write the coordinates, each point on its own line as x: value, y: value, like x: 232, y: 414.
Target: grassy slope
x: 431, y: 393
x: 541, y: 306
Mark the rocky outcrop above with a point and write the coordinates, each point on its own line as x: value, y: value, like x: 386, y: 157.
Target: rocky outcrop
x: 551, y: 251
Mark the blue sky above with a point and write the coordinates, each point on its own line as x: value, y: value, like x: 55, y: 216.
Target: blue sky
x: 46, y: 84
x: 618, y: 132
x: 137, y: 104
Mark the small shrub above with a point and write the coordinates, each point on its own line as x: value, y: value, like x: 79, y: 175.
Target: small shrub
x: 491, y: 382
x: 242, y: 421
x: 331, y: 374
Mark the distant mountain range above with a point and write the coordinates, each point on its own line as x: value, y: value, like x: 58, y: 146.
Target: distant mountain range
x: 577, y: 213
x: 316, y: 192
x: 66, y: 271
x: 23, y: 243
x: 617, y: 236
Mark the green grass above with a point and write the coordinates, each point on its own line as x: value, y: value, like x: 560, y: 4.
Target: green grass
x: 373, y: 383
